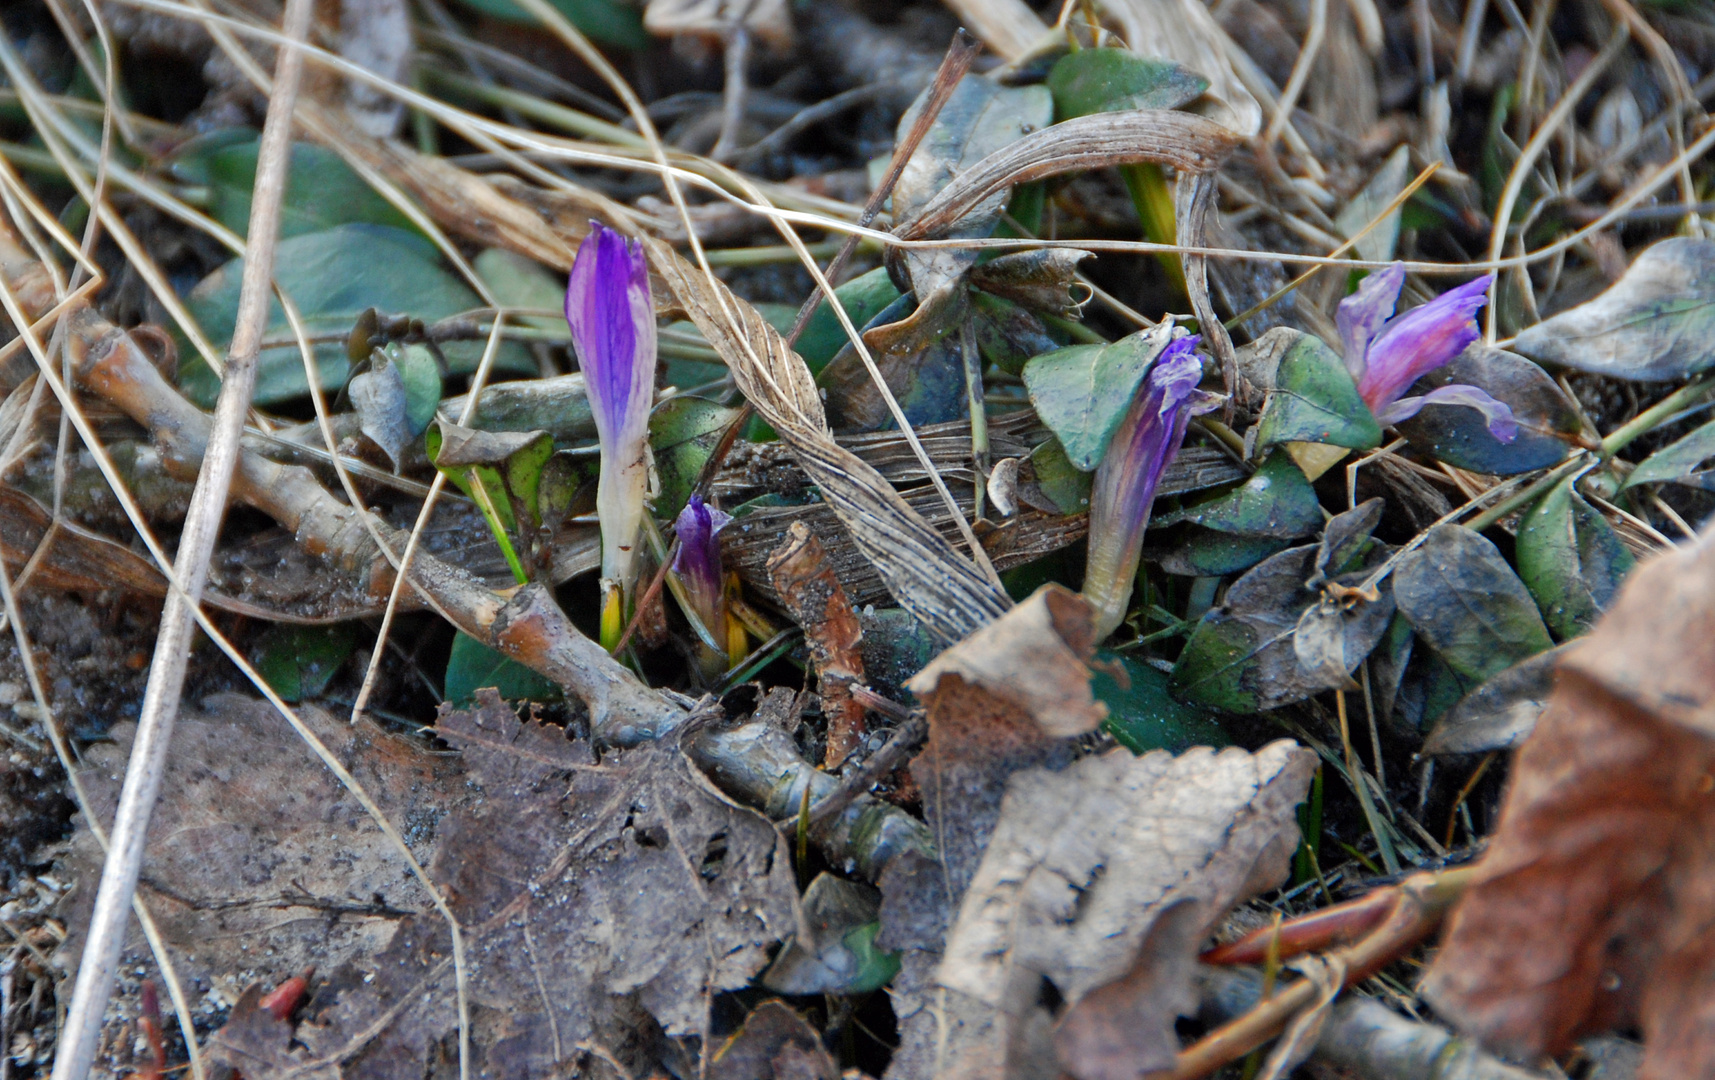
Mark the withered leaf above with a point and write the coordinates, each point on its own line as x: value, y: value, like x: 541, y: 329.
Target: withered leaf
x: 1103, y: 879
x: 921, y: 568
x: 1189, y: 143
x: 602, y: 904
x: 813, y: 597
x: 259, y: 863
x: 774, y: 1044
x: 1592, y: 906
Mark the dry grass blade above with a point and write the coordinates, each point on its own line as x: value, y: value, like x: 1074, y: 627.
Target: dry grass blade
x: 208, y: 505
x: 1186, y: 142
x: 922, y: 570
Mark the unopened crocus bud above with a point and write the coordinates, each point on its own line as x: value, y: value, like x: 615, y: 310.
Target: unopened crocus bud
x: 612, y: 319
x: 1386, y: 355
x: 698, y: 564
x: 1146, y: 442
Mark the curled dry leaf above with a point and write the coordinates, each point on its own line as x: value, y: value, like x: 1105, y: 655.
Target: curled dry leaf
x: 1190, y: 144
x: 922, y: 570
x: 813, y: 597
x: 1033, y: 659
x: 1591, y: 909
x: 775, y: 1043
x: 1103, y: 879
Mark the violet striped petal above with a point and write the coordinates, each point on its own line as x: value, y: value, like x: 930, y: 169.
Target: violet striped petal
x: 612, y: 319
x: 1124, y: 490
x: 1427, y: 337
x: 1499, y: 415
x: 1361, y: 315
x: 698, y: 563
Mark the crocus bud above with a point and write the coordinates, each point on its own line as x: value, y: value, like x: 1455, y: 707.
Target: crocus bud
x: 1386, y: 355
x: 612, y: 319
x: 1147, y: 440
x: 698, y: 564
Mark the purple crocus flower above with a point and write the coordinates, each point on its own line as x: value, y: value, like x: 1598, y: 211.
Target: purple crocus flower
x: 612, y: 318
x: 698, y: 564
x: 1386, y: 355
x: 1147, y: 440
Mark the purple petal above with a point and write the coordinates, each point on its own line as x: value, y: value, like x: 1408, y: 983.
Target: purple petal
x: 1427, y: 337
x: 1147, y: 440
x: 1502, y: 424
x: 613, y: 326
x: 613, y: 330
x: 698, y: 563
x: 1362, y: 314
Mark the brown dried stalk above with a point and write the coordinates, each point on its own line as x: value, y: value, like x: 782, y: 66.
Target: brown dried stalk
x: 1187, y: 142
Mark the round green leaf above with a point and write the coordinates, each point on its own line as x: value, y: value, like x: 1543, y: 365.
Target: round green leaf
x: 611, y: 22
x: 474, y: 665
x: 333, y: 276
x: 1571, y: 560
x: 298, y: 661
x: 1145, y: 717
x: 1082, y: 392
x: 1315, y: 400
x: 1114, y: 80
x: 1463, y: 599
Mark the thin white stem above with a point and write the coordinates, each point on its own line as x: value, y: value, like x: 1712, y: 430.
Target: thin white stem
x: 147, y: 765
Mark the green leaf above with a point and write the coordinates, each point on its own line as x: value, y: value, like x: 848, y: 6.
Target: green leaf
x: 1277, y: 501
x: 1082, y: 392
x: 333, y: 276
x: 474, y: 665
x: 863, y: 297
x: 1656, y: 323
x: 1499, y: 713
x: 1207, y: 553
x: 683, y: 433
x: 1008, y: 335
x: 321, y: 192
x: 1115, y: 80
x: 1058, y: 480
x: 1465, y: 601
x: 876, y: 967
x: 519, y: 282
x: 422, y: 378
x: 1548, y: 422
x: 1571, y: 560
x: 611, y: 22
x: 298, y: 661
x: 1315, y: 400
x: 508, y: 466
x: 1679, y: 462
x: 1244, y: 657
x: 1145, y: 717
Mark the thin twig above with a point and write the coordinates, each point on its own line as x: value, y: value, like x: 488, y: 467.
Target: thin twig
x: 147, y: 765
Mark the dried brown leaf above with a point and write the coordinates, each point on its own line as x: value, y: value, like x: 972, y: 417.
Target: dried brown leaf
x: 775, y: 1043
x: 1591, y: 909
x: 259, y: 863
x: 814, y: 599
x: 603, y: 904
x: 924, y: 572
x: 1103, y: 879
